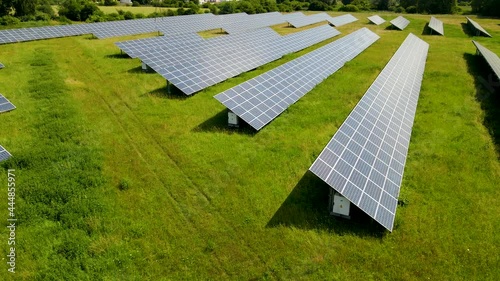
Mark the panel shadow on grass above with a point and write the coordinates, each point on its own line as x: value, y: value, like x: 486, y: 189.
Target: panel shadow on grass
x: 466, y: 29
x: 218, y: 123
x: 307, y: 208
x: 487, y: 94
x: 118, y: 56
x: 426, y: 30
x: 173, y: 94
x: 137, y: 70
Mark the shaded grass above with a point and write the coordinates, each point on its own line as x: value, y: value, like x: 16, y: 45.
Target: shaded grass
x: 205, y: 202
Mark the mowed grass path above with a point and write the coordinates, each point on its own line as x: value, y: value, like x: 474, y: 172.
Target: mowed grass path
x: 206, y: 202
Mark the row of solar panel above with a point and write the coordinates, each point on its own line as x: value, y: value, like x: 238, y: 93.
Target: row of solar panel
x: 5, y: 105
x: 191, y: 76
x: 233, y: 23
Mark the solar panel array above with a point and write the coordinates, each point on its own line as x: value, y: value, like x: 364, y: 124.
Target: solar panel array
x: 298, y: 22
x: 233, y: 23
x: 4, y: 154
x: 5, y: 104
x: 195, y: 75
x: 376, y: 19
x: 160, y: 58
x: 491, y: 58
x: 365, y: 159
x: 400, y: 22
x: 477, y: 28
x: 133, y: 47
x: 436, y: 25
x: 261, y: 99
x: 342, y: 20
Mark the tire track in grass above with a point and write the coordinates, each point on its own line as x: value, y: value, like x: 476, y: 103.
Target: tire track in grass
x: 138, y: 125
x: 117, y: 115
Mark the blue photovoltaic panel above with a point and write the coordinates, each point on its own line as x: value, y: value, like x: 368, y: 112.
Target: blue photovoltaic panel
x: 192, y: 76
x: 436, y: 25
x: 400, y: 22
x: 298, y: 22
x: 261, y: 99
x: 478, y: 29
x: 5, y: 104
x: 491, y: 58
x: 133, y: 47
x: 4, y: 154
x: 376, y: 19
x: 365, y: 159
x: 342, y: 20
x: 163, y: 57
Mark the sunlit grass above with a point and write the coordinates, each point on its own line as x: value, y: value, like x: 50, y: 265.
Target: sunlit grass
x: 205, y: 202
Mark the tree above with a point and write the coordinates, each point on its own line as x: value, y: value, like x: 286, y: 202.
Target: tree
x: 25, y: 7
x: 6, y: 7
x: 436, y: 6
x: 486, y: 7
x: 78, y: 10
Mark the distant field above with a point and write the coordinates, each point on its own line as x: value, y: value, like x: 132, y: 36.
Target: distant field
x: 119, y: 180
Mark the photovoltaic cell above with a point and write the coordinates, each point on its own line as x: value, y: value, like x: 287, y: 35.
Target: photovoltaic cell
x: 5, y: 104
x: 192, y: 76
x: 491, y: 58
x: 376, y: 19
x: 261, y: 99
x: 4, y: 154
x: 342, y: 20
x: 478, y: 29
x: 365, y: 159
x: 436, y: 25
x: 400, y: 22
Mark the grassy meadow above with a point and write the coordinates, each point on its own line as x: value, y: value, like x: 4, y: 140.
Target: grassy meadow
x: 119, y: 180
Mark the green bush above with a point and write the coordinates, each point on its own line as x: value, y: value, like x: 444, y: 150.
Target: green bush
x: 39, y: 16
x: 9, y: 20
x: 411, y: 10
x: 139, y: 16
x: 136, y: 4
x: 128, y: 15
x: 349, y: 8
x: 399, y: 10
x: 110, y: 3
x: 114, y: 16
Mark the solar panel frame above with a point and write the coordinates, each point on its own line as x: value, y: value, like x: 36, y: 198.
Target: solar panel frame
x: 365, y: 159
x: 400, y: 22
x: 436, y: 25
x: 5, y: 104
x: 4, y: 154
x: 342, y: 20
x: 376, y: 19
x: 260, y: 100
x: 477, y: 27
x: 491, y: 58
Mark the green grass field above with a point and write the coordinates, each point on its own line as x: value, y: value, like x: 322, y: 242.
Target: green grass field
x: 146, y: 10
x: 118, y: 180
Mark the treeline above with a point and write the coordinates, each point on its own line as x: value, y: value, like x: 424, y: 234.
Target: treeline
x: 486, y: 7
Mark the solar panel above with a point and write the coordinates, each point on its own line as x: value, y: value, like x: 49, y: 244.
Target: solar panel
x: 133, y: 47
x: 160, y: 58
x: 298, y: 22
x: 478, y: 29
x: 365, y: 159
x: 4, y: 154
x: 261, y: 99
x: 258, y: 21
x: 376, y: 19
x: 436, y: 25
x: 192, y: 76
x: 400, y: 22
x: 342, y: 20
x: 5, y: 104
x: 491, y: 58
